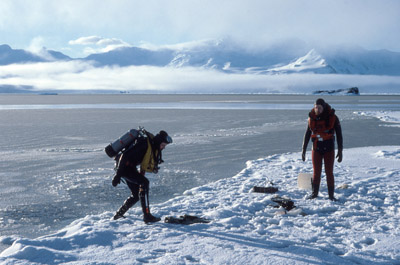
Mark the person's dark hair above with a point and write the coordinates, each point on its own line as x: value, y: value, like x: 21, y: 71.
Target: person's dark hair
x: 321, y: 102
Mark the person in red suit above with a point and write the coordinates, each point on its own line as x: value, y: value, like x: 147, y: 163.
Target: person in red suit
x: 323, y: 125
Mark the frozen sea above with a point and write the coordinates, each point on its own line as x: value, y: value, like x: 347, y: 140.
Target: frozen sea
x: 53, y: 168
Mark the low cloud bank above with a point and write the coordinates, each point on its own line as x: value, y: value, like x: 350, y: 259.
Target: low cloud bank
x: 76, y: 76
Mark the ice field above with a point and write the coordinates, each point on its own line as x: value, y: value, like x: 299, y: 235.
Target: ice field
x: 56, y: 180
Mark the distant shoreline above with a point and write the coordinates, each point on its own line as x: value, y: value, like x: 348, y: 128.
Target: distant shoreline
x: 191, y: 101
x: 85, y: 93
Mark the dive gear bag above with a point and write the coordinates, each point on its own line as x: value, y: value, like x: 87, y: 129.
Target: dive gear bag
x: 185, y: 220
x: 124, y: 141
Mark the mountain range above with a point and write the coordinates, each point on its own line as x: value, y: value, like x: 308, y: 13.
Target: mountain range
x: 229, y: 57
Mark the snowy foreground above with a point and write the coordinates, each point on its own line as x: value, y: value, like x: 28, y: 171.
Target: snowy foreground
x: 363, y: 227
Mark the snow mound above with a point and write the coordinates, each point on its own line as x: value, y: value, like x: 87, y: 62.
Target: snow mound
x: 392, y: 117
x: 363, y: 227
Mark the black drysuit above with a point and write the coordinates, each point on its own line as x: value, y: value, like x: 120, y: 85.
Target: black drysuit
x: 136, y: 181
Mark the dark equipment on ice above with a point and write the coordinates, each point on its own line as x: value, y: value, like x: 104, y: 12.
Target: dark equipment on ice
x: 286, y: 203
x: 185, y: 220
x: 265, y: 189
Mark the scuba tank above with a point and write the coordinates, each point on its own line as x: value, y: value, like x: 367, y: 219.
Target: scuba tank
x: 124, y: 141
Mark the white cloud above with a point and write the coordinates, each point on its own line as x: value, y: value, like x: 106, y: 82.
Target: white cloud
x: 373, y: 24
x: 90, y: 40
x: 79, y: 75
x: 97, y: 40
x: 37, y: 47
x: 113, y: 41
x: 97, y: 44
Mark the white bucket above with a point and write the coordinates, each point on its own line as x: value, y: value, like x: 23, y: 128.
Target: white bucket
x: 304, y: 181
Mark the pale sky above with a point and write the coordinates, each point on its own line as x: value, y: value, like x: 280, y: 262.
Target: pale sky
x: 78, y: 27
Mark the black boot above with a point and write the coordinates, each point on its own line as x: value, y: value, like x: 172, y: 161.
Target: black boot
x: 144, y: 200
x: 331, y: 192
x: 125, y: 207
x: 149, y: 218
x: 315, y: 190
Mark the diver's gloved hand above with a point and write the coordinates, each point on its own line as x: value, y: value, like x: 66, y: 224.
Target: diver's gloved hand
x: 339, y: 155
x: 116, y: 180
x: 303, y: 155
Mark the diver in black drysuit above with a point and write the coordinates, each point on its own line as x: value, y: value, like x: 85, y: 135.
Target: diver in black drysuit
x: 146, y: 153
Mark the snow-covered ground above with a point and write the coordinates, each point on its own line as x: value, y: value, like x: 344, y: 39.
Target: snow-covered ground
x: 246, y: 228
x: 392, y: 117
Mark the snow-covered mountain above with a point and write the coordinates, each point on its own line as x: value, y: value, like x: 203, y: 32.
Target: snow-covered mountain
x: 225, y: 55
x: 311, y: 62
x: 217, y: 54
x: 132, y: 56
x: 355, y: 60
x: 10, y: 56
